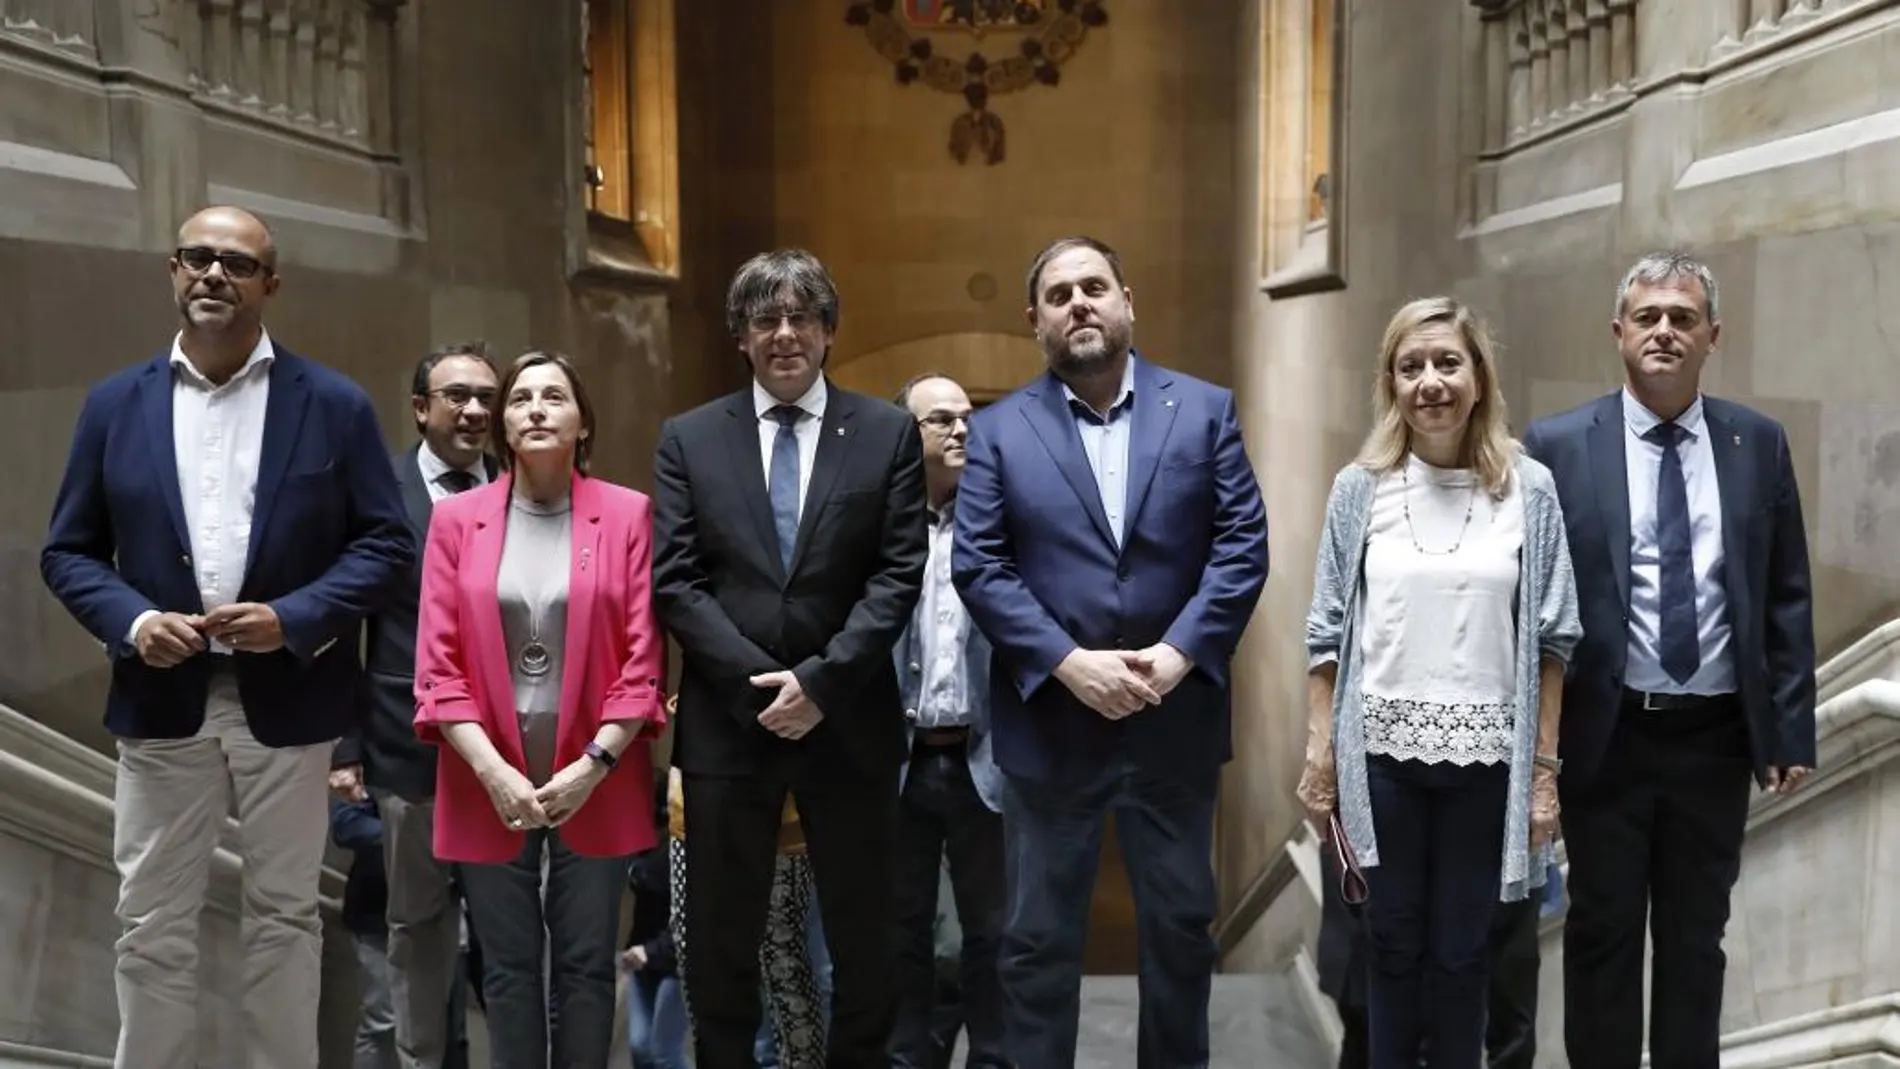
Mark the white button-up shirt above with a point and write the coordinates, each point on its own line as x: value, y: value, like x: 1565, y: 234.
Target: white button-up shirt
x: 805, y: 431
x: 218, y: 442
x: 1643, y: 460
x: 1105, y: 441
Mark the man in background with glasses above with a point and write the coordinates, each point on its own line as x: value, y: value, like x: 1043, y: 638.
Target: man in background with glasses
x: 949, y: 793
x: 227, y: 519
x: 452, y: 397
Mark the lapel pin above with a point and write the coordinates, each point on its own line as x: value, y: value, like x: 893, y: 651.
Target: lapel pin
x: 841, y: 432
x: 1738, y: 439
x: 1167, y: 404
x: 584, y: 553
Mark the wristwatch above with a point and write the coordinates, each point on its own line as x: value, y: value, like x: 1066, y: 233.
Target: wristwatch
x: 600, y: 753
x: 1555, y: 764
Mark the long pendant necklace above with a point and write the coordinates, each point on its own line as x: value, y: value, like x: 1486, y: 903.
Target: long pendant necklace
x: 1471, y: 501
x: 534, y: 661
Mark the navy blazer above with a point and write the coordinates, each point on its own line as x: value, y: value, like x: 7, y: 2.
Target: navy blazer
x: 1764, y: 572
x: 328, y: 547
x: 1040, y: 574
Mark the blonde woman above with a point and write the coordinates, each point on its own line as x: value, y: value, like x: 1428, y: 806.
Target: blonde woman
x: 1443, y: 614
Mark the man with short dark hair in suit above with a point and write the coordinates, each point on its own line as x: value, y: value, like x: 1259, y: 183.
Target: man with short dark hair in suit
x: 1696, y: 670
x: 226, y: 521
x: 452, y: 397
x: 1111, y: 544
x: 790, y: 548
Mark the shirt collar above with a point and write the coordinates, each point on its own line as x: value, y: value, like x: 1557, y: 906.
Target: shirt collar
x: 812, y: 402
x: 1640, y: 420
x: 263, y: 355
x: 1121, y: 397
x: 434, y: 467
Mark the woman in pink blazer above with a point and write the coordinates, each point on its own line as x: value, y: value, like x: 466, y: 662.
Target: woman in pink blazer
x: 538, y: 666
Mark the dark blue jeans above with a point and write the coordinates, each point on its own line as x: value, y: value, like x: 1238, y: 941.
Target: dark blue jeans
x: 1052, y: 843
x: 1428, y: 918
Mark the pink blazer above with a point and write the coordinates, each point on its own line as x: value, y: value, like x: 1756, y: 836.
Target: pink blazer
x: 611, y: 669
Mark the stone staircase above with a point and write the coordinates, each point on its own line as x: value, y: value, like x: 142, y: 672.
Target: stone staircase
x: 1254, y: 1021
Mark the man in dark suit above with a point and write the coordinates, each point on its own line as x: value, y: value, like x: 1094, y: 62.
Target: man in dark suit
x: 790, y: 548
x: 226, y: 521
x: 1111, y: 544
x: 1696, y: 670
x: 452, y: 397
x: 950, y: 793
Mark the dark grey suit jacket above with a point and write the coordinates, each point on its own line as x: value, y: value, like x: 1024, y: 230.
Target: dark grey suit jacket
x: 383, y: 739
x: 1765, y: 574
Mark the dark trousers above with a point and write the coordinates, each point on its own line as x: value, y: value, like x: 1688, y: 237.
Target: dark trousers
x: 1428, y: 917
x: 1510, y: 1032
x: 573, y: 930
x: 1053, y: 842
x: 1655, y: 837
x: 941, y: 814
x: 848, y: 817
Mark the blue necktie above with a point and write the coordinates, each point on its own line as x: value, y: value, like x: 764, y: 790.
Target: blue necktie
x: 1680, y: 648
x: 784, y: 488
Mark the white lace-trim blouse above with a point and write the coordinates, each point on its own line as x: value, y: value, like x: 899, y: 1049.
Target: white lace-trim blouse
x: 1439, y: 641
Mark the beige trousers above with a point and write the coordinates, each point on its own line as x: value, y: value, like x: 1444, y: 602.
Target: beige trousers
x: 172, y: 798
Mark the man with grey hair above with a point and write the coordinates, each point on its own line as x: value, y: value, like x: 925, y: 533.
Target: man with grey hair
x: 1696, y: 670
x: 790, y: 549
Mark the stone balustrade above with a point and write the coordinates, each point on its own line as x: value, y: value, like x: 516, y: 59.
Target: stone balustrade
x: 1549, y: 63
x: 64, y: 25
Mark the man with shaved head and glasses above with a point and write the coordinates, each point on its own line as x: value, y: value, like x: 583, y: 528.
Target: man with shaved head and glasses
x: 227, y: 519
x: 790, y: 548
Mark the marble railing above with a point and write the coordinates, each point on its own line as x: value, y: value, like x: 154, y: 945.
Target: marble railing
x: 64, y: 25
x: 319, y: 70
x: 58, y: 887
x: 1550, y: 63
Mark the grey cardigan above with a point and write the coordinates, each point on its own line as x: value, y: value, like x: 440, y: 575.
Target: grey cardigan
x: 1545, y: 583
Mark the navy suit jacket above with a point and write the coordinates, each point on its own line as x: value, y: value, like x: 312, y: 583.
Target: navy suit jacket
x: 1041, y: 576
x: 1764, y: 572
x: 328, y: 547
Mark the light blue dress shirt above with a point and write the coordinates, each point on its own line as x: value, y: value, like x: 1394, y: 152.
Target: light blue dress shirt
x: 1105, y: 440
x: 1643, y: 460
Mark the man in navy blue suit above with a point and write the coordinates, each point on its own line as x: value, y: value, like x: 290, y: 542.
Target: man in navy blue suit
x: 227, y: 519
x: 1695, y: 674
x: 1111, y: 544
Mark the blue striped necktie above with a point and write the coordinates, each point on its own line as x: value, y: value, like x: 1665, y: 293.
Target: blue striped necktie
x: 1677, y: 641
x: 784, y: 481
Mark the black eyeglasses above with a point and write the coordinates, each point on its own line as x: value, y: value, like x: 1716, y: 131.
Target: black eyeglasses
x: 197, y: 259
x: 460, y: 396
x: 945, y: 421
x: 768, y: 323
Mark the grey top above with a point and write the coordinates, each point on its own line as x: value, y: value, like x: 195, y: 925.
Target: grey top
x: 1551, y: 628
x: 532, y: 587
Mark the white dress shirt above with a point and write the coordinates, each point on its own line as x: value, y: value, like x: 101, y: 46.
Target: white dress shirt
x: 218, y: 442
x: 434, y: 467
x: 940, y: 631
x: 1716, y: 674
x: 806, y: 431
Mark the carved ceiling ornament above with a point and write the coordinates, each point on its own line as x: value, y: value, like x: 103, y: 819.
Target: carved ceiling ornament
x: 1050, y: 31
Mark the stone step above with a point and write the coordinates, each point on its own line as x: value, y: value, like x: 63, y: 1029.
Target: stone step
x: 1253, y: 1021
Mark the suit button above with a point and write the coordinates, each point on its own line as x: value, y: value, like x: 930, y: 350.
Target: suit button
x: 915, y: 667
x: 185, y: 560
x: 1122, y: 575
x: 1118, y: 642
